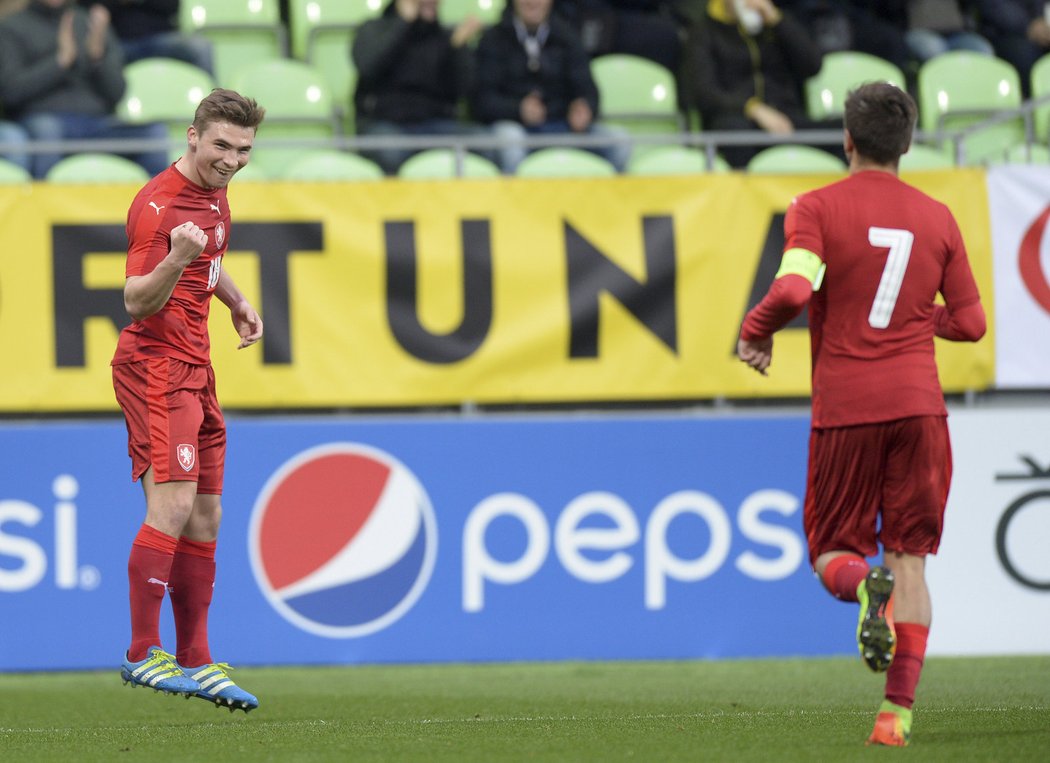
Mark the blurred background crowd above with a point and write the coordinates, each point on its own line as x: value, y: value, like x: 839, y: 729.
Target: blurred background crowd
x: 505, y: 78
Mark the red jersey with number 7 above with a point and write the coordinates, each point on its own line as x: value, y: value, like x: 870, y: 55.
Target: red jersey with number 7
x: 179, y: 329
x: 888, y: 249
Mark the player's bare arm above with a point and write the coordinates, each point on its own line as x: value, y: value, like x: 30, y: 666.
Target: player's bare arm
x: 246, y: 319
x: 146, y: 295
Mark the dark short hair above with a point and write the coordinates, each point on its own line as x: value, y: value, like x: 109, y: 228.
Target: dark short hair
x: 223, y: 105
x: 880, y: 118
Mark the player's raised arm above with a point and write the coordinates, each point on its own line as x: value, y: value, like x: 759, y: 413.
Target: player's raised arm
x: 146, y: 294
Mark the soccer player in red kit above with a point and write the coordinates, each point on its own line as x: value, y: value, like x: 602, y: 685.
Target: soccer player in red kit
x: 869, y: 254
x: 178, y: 231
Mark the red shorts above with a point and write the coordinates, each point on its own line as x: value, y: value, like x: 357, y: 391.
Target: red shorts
x: 898, y: 471
x: 174, y: 421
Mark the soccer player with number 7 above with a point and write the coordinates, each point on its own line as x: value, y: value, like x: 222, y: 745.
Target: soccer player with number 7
x: 869, y: 255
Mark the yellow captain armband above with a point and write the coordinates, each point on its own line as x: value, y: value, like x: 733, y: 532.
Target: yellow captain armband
x: 802, y: 262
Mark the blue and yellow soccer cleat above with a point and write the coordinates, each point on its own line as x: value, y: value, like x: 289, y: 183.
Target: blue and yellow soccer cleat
x: 216, y: 686
x: 892, y: 726
x: 875, y: 635
x: 160, y: 672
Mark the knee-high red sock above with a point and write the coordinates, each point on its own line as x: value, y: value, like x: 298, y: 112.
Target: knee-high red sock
x: 842, y: 576
x: 903, y: 674
x: 149, y: 565
x: 192, y: 582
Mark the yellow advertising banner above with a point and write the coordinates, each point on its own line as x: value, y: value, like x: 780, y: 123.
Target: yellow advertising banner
x: 420, y: 293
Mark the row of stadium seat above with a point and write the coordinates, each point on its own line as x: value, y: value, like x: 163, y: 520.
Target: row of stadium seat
x: 955, y: 90
x: 330, y: 165
x: 319, y: 32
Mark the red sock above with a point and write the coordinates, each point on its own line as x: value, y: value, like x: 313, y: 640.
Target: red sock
x: 903, y: 674
x: 149, y: 566
x: 842, y: 576
x: 192, y: 582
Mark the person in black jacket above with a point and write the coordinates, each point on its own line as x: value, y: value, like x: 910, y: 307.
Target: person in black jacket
x: 150, y: 29
x: 1019, y: 31
x: 746, y: 68
x: 61, y: 77
x: 413, y: 74
x: 534, y: 77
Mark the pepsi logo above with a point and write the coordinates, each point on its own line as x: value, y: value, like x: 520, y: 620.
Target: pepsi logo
x: 342, y: 540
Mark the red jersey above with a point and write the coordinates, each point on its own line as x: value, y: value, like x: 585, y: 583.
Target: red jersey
x: 888, y: 249
x: 179, y: 329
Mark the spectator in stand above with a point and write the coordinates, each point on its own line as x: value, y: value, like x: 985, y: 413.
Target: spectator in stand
x: 534, y: 77
x: 932, y: 27
x: 646, y: 28
x: 413, y: 74
x: 149, y: 28
x: 61, y: 76
x: 852, y: 25
x: 746, y: 63
x: 1019, y: 31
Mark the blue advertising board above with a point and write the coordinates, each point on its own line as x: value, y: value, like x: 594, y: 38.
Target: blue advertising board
x: 354, y: 540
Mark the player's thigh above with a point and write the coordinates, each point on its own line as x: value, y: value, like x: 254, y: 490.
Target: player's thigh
x: 843, y: 490
x: 915, y: 492
x: 211, y: 440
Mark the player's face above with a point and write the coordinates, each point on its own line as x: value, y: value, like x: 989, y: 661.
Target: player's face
x: 218, y: 152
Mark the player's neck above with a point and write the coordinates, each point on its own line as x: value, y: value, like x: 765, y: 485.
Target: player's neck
x: 185, y: 166
x: 859, y: 163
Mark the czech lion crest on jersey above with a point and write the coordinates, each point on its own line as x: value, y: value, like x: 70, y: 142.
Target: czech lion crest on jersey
x: 220, y: 235
x: 187, y: 455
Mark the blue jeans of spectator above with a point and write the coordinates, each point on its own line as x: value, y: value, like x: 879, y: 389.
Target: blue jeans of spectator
x: 16, y: 139
x: 391, y: 159
x: 924, y: 44
x: 513, y: 134
x: 193, y: 49
x: 52, y: 127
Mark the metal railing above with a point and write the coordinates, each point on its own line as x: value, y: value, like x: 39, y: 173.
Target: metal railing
x: 709, y: 142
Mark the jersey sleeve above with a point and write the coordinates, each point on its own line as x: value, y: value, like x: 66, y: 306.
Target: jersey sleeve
x: 149, y: 239
x: 958, y: 285
x: 802, y: 228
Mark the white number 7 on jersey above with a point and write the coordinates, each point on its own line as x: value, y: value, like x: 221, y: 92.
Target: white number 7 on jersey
x: 899, y: 243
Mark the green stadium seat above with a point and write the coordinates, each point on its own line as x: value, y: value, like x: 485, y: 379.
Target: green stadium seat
x: 1025, y: 154
x: 452, y: 12
x: 961, y: 88
x: 1039, y: 86
x: 298, y: 106
x: 564, y: 162
x: 787, y: 159
x: 13, y: 174
x: 923, y: 157
x: 322, y: 32
x: 164, y: 90
x: 92, y: 168
x: 329, y: 165
x: 637, y: 94
x: 672, y: 160
x: 241, y: 32
x: 438, y: 163
x: 840, y: 72
x: 254, y: 172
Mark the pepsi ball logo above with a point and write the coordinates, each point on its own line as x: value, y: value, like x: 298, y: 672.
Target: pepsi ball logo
x: 342, y: 540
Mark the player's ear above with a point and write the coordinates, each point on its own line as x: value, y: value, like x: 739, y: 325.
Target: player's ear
x: 847, y: 143
x: 191, y: 137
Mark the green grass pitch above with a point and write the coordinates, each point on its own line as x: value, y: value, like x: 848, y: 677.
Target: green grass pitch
x: 968, y: 709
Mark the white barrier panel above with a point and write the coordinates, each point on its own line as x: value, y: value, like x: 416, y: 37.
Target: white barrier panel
x: 990, y: 581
